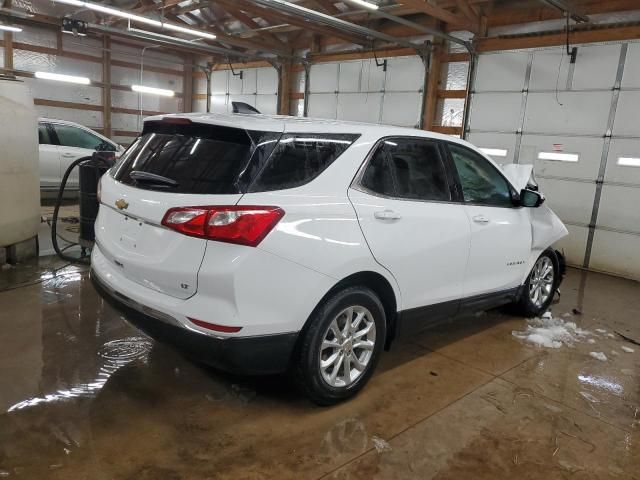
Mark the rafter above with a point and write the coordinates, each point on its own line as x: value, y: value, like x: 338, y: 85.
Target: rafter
x: 148, y: 7
x: 439, y: 13
x: 248, y: 22
x: 465, y: 7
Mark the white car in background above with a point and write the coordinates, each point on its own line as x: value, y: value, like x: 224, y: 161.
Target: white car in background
x: 260, y: 244
x: 62, y: 142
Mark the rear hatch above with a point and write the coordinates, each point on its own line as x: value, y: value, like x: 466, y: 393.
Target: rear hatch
x: 174, y: 163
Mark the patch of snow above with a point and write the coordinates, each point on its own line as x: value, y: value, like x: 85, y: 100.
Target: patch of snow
x: 601, y: 330
x: 567, y: 315
x: 614, y: 353
x: 591, y: 340
x: 598, y: 356
x: 611, y: 335
x: 627, y: 349
x: 551, y: 332
x: 380, y: 444
x: 547, y: 315
x: 590, y: 398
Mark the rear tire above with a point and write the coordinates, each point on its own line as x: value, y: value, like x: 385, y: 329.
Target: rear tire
x: 540, y: 287
x: 341, y: 345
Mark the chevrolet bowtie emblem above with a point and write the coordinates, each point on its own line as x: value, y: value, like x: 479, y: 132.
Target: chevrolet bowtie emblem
x: 121, y: 204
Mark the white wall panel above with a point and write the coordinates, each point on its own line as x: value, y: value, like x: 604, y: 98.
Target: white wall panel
x: 405, y: 74
x: 626, y: 122
x: 373, y: 77
x: 199, y: 84
x: 349, y: 80
x: 586, y: 168
x: 623, y: 147
x: 34, y: 61
x: 267, y: 104
x: 359, y: 107
x: 219, y: 82
x: 549, y: 69
x: 574, y: 244
x: 87, y: 118
x: 37, y: 36
x: 618, y: 208
x: 505, y: 141
x: 401, y: 108
x: 84, y: 45
x: 126, y: 121
x: 234, y: 83
x: 268, y: 80
x: 129, y: 76
x: 596, y: 66
x: 322, y: 105
x: 152, y: 57
x: 156, y: 103
x: 249, y: 81
x: 501, y: 72
x: 572, y: 201
x: 495, y: 111
x: 199, y: 105
x: 616, y: 253
x: 65, y: 92
x: 324, y: 78
x: 219, y: 104
x: 577, y: 113
x: 631, y: 76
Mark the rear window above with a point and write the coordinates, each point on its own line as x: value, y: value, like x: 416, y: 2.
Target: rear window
x: 204, y: 159
x: 209, y: 159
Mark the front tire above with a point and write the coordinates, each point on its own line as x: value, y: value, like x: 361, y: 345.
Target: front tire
x: 341, y: 345
x: 540, y: 286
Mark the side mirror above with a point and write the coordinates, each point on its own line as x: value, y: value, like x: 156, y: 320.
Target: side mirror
x: 529, y: 198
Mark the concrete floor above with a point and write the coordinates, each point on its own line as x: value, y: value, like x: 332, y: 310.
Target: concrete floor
x: 85, y: 396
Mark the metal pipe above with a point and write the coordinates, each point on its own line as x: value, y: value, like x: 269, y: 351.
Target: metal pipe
x: 331, y: 21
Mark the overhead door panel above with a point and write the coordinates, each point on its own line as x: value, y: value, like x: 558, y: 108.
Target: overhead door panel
x: 568, y: 199
x: 617, y: 253
x: 359, y: 107
x: 501, y: 72
x: 503, y: 144
x: 596, y: 67
x: 624, y: 153
x: 498, y: 112
x: 401, y: 108
x: 626, y: 122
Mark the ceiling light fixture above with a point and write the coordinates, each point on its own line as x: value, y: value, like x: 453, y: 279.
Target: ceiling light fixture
x: 154, y: 91
x: 62, y: 78
x: 559, y: 157
x: 365, y: 4
x: 494, y: 152
x: 9, y: 28
x: 137, y: 18
x: 629, y: 161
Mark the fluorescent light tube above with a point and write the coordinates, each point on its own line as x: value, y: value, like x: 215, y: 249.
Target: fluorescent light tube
x: 494, y: 152
x: 154, y: 91
x: 560, y: 157
x: 365, y: 4
x: 9, y: 28
x: 62, y: 78
x: 137, y: 18
x: 629, y: 161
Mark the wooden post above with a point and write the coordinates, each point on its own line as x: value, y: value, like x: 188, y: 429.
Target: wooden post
x: 106, y: 86
x: 8, y: 44
x: 433, y: 85
x: 187, y: 84
x: 284, y: 88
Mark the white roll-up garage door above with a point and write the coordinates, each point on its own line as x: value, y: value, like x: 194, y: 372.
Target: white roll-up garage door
x: 577, y: 124
x: 362, y: 91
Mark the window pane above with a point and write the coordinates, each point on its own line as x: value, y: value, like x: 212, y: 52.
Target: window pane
x: 201, y: 158
x: 481, y: 181
x: 418, y: 169
x: 377, y: 177
x: 299, y: 158
x: 43, y: 135
x: 76, y: 137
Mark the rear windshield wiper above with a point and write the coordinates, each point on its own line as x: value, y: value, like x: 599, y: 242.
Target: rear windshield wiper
x: 147, y: 177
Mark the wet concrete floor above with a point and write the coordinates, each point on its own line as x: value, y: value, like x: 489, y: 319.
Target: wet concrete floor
x: 83, y: 395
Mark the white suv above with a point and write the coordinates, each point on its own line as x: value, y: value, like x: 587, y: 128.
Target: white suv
x: 260, y: 243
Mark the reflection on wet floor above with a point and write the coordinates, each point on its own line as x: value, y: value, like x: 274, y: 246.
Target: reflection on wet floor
x: 85, y: 395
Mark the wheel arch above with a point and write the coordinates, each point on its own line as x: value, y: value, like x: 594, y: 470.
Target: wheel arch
x: 381, y: 286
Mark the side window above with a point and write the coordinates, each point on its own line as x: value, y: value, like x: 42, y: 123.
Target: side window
x: 299, y: 158
x: 481, y: 182
x: 409, y: 168
x: 76, y: 137
x: 44, y: 138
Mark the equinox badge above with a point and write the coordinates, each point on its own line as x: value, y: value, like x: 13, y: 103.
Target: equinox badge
x: 121, y: 204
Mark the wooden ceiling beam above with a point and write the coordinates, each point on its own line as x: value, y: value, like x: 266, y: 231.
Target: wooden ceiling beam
x: 465, y: 7
x: 327, y: 6
x: 248, y: 22
x: 440, y: 13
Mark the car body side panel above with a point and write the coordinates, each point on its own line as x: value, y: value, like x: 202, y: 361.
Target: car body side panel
x: 546, y: 229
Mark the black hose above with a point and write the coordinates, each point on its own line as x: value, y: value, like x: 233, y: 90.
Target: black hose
x: 54, y: 220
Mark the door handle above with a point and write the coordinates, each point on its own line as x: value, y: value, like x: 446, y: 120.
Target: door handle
x: 480, y: 219
x: 387, y: 215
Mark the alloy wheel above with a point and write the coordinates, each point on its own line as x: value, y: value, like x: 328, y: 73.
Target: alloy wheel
x: 541, y: 281
x: 347, y: 346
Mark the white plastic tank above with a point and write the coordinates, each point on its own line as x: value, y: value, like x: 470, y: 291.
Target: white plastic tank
x: 19, y: 177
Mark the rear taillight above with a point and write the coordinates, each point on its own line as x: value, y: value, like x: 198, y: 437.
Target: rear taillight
x: 244, y: 225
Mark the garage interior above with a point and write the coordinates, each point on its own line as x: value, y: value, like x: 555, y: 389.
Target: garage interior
x: 552, y: 83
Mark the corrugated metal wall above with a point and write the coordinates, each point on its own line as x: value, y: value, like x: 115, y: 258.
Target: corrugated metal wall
x: 534, y: 104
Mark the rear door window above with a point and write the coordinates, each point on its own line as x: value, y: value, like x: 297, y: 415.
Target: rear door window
x: 299, y: 158
x: 44, y: 137
x: 70, y: 136
x: 407, y: 168
x: 199, y: 158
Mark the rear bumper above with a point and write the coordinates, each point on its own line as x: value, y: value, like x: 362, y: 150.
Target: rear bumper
x: 253, y: 355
